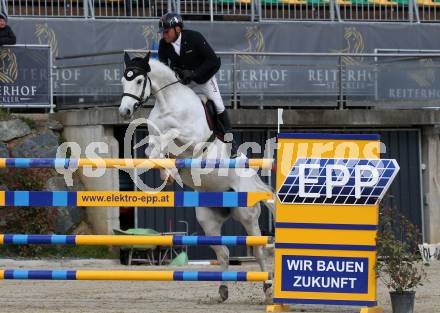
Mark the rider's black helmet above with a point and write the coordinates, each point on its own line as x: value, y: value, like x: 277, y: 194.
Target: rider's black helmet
x: 170, y: 20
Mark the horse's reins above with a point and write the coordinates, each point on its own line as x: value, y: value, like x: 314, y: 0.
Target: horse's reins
x: 140, y: 100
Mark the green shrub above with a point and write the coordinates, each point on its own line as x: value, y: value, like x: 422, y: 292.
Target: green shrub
x: 26, y: 220
x: 399, y: 264
x: 4, y: 115
x: 31, y: 123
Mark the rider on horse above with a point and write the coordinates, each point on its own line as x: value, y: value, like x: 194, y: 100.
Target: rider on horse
x: 188, y: 53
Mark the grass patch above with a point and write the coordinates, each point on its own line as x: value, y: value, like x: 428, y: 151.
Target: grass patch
x: 61, y: 139
x: 4, y: 115
x: 31, y: 123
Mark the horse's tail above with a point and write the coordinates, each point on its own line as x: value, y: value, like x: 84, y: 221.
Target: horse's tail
x: 262, y: 186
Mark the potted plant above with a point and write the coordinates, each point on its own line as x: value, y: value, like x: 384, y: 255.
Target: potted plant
x: 399, y: 264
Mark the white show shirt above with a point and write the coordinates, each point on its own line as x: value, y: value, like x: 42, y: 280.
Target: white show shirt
x: 176, y: 44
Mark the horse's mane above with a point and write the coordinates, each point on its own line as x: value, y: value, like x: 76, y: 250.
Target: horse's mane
x: 159, y: 67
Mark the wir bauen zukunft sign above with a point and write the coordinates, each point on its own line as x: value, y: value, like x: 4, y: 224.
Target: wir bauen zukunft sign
x: 326, y: 221
x: 325, y: 274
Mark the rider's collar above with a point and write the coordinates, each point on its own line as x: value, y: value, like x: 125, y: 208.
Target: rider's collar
x: 178, y: 39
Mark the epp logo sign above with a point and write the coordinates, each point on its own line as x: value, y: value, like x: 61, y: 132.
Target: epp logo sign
x: 337, y: 181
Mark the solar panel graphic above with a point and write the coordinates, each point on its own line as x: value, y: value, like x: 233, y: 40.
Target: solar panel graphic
x: 308, y: 181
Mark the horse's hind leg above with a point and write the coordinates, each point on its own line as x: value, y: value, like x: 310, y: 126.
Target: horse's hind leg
x: 211, y: 220
x: 250, y: 223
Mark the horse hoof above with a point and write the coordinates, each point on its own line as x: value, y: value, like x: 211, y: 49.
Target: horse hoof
x: 266, y: 286
x: 268, y: 293
x: 223, y: 293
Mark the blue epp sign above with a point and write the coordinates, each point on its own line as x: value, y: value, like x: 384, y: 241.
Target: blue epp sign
x: 324, y: 274
x: 337, y: 181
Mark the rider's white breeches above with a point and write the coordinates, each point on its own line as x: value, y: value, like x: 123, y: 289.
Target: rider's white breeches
x: 210, y: 89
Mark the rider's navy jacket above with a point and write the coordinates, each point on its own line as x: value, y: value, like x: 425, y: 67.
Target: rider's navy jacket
x: 195, y: 54
x: 7, y: 36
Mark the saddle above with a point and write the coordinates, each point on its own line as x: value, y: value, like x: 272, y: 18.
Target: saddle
x: 211, y: 117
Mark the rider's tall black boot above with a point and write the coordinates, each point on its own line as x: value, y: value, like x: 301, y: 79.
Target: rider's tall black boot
x: 227, y: 129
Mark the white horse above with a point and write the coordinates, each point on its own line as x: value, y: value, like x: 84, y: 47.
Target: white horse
x: 179, y: 116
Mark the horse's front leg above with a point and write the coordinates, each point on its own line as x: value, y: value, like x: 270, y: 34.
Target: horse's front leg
x: 155, y: 152
x: 157, y: 149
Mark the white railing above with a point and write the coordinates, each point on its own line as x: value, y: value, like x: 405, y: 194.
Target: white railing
x: 249, y: 10
x: 218, y: 8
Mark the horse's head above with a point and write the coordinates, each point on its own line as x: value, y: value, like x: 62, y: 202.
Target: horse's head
x: 136, y: 84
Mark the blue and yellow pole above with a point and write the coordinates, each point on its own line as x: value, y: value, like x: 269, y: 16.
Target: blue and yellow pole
x: 122, y: 240
x: 132, y: 198
x: 134, y: 163
x: 132, y: 275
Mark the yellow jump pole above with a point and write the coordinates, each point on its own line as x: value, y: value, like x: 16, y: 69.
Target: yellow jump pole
x: 133, y: 275
x: 123, y: 240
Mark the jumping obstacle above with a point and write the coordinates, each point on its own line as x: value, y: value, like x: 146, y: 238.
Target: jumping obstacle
x: 60, y: 163
x: 324, y: 240
x: 166, y: 240
x: 133, y: 275
x: 132, y: 198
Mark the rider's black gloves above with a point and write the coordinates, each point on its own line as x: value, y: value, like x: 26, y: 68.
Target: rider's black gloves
x: 186, y: 76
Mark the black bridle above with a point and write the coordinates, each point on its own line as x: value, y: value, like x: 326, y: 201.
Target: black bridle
x: 131, y: 73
